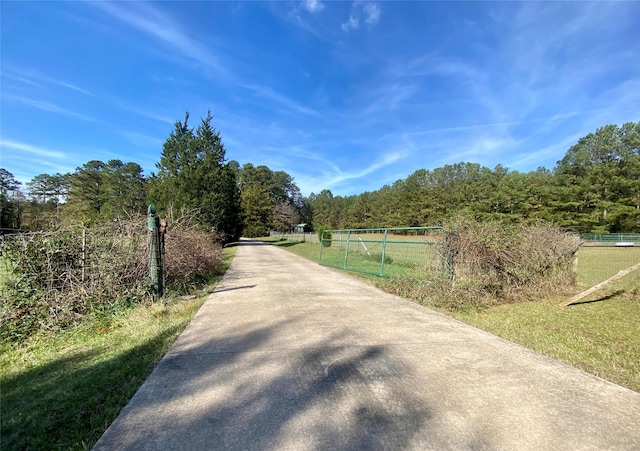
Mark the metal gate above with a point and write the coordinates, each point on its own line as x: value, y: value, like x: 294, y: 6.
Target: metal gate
x: 402, y: 252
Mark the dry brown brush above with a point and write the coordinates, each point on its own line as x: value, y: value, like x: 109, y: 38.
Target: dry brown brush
x: 512, y: 262
x: 491, y: 263
x: 192, y: 255
x: 56, y: 279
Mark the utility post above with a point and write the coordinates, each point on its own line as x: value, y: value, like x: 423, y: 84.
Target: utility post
x: 156, y: 253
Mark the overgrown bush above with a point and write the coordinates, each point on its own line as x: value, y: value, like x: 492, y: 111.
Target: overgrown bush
x: 57, y: 278
x: 324, y: 233
x: 492, y: 263
x: 507, y: 259
x: 192, y: 256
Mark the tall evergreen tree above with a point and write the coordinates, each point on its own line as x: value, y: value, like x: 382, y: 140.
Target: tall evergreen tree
x: 598, y: 182
x: 124, y: 191
x: 193, y: 173
x: 86, y: 190
x: 9, y: 206
x: 257, y: 210
x: 324, y: 209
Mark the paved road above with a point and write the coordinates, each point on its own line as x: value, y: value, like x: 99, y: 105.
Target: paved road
x: 289, y: 355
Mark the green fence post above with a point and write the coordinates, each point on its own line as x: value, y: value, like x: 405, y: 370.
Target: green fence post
x: 346, y: 250
x: 450, y: 268
x: 155, y: 253
x: 384, y: 248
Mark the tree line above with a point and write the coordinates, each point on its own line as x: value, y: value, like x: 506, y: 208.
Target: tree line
x: 96, y: 191
x: 192, y: 175
x: 595, y: 188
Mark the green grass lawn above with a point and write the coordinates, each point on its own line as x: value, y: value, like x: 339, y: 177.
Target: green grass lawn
x: 600, y: 335
x: 61, y: 391
x: 411, y: 261
x: 596, y: 264
x: 602, y: 338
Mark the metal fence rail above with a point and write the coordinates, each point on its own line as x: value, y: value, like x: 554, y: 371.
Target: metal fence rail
x: 6, y: 269
x: 407, y: 252
x: 612, y: 237
x: 306, y: 237
x: 79, y: 261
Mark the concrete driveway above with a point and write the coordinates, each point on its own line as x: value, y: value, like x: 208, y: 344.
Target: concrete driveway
x: 290, y: 355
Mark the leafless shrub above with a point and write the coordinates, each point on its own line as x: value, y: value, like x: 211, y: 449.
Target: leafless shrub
x: 191, y: 256
x: 493, y: 263
x: 57, y: 278
x: 513, y: 260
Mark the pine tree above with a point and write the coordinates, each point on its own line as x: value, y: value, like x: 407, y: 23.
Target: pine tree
x: 193, y: 173
x: 9, y: 208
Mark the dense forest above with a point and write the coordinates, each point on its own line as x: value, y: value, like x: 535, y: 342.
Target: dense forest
x: 594, y: 188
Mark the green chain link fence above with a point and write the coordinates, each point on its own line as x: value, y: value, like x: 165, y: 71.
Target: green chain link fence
x: 6, y: 268
x: 597, y: 263
x: 603, y: 255
x: 608, y: 238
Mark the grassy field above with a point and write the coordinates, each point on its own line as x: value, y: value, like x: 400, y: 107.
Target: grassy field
x: 410, y: 258
x: 602, y: 338
x: 596, y: 264
x: 61, y: 391
x: 600, y: 335
x: 401, y: 252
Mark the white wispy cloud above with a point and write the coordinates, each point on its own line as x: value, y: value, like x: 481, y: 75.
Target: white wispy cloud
x: 153, y: 22
x: 287, y: 103
x: 298, y: 152
x: 557, y: 149
x: 141, y: 140
x: 551, y: 86
x: 470, y: 80
x: 31, y: 149
x: 303, y: 154
x: 313, y: 6
x: 47, y: 106
x: 618, y: 104
x: 491, y: 125
x: 390, y: 97
x: 352, y: 24
x: 35, y: 78
x: 336, y: 177
x: 294, y: 17
x: 149, y: 113
x: 21, y: 79
x: 372, y: 13
x: 69, y: 86
x: 436, y: 64
x: 547, y: 69
x: 367, y: 11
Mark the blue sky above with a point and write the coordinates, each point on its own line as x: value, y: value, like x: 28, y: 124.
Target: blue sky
x: 346, y: 96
